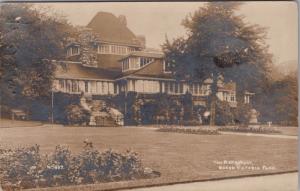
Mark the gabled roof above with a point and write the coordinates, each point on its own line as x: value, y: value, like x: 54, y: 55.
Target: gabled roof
x: 111, y: 29
x: 72, y: 70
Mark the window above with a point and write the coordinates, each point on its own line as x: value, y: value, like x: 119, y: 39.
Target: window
x: 232, y: 98
x: 68, y: 85
x: 176, y: 87
x: 196, y: 88
x: 62, y: 84
x: 181, y: 88
x: 86, y: 86
x: 113, y: 49
x: 103, y: 49
x: 167, y: 87
x: 69, y: 52
x: 171, y: 87
x: 73, y: 50
x: 125, y: 64
x: 124, y: 50
x: 74, y: 86
x: 167, y: 67
x: 144, y: 61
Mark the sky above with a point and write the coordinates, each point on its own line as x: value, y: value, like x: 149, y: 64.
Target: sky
x: 156, y: 20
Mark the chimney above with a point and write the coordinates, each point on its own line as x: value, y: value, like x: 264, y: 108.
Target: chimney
x: 122, y: 19
x: 142, y: 40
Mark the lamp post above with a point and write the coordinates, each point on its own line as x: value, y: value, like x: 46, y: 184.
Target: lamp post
x: 52, y: 106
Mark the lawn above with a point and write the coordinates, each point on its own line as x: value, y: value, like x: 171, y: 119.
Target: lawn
x: 179, y: 157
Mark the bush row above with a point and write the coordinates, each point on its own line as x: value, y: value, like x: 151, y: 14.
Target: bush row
x: 190, y: 130
x: 249, y: 129
x: 26, y: 168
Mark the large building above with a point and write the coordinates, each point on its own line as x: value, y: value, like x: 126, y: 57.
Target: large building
x: 108, y: 59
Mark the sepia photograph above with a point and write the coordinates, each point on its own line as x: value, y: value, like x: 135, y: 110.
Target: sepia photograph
x: 149, y: 96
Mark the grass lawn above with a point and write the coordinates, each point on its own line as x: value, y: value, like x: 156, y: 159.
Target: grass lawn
x: 179, y: 157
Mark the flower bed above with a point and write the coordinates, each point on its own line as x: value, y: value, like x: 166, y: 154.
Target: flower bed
x: 23, y: 168
x: 190, y: 130
x: 250, y: 129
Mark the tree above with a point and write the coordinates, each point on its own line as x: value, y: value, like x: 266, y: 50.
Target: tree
x: 34, y: 38
x: 219, y: 42
x: 224, y: 113
x: 279, y: 102
x: 7, y: 69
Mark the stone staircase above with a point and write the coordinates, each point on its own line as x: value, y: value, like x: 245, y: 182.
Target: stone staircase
x: 101, y: 114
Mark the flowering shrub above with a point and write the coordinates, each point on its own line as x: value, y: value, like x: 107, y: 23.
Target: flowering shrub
x: 190, y: 130
x: 249, y: 129
x: 26, y: 168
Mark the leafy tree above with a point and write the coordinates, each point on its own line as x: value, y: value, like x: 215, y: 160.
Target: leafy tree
x: 7, y: 69
x: 33, y: 36
x: 279, y: 101
x: 219, y: 42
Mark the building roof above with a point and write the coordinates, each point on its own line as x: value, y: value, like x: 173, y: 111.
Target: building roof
x: 109, y: 62
x: 230, y: 86
x: 151, y: 70
x: 112, y: 29
x: 72, y: 70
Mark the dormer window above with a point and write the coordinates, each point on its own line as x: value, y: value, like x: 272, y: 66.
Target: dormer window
x: 130, y: 63
x: 73, y: 50
x: 144, y: 61
x: 134, y: 63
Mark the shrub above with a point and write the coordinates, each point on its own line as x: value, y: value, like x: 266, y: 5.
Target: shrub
x: 26, y: 168
x: 192, y: 123
x: 20, y: 167
x: 76, y: 114
x: 190, y: 130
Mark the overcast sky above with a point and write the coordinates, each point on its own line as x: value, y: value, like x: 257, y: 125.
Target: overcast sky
x: 156, y: 19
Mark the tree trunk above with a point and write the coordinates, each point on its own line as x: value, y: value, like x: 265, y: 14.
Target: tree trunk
x: 213, y: 100
x: 212, y: 111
